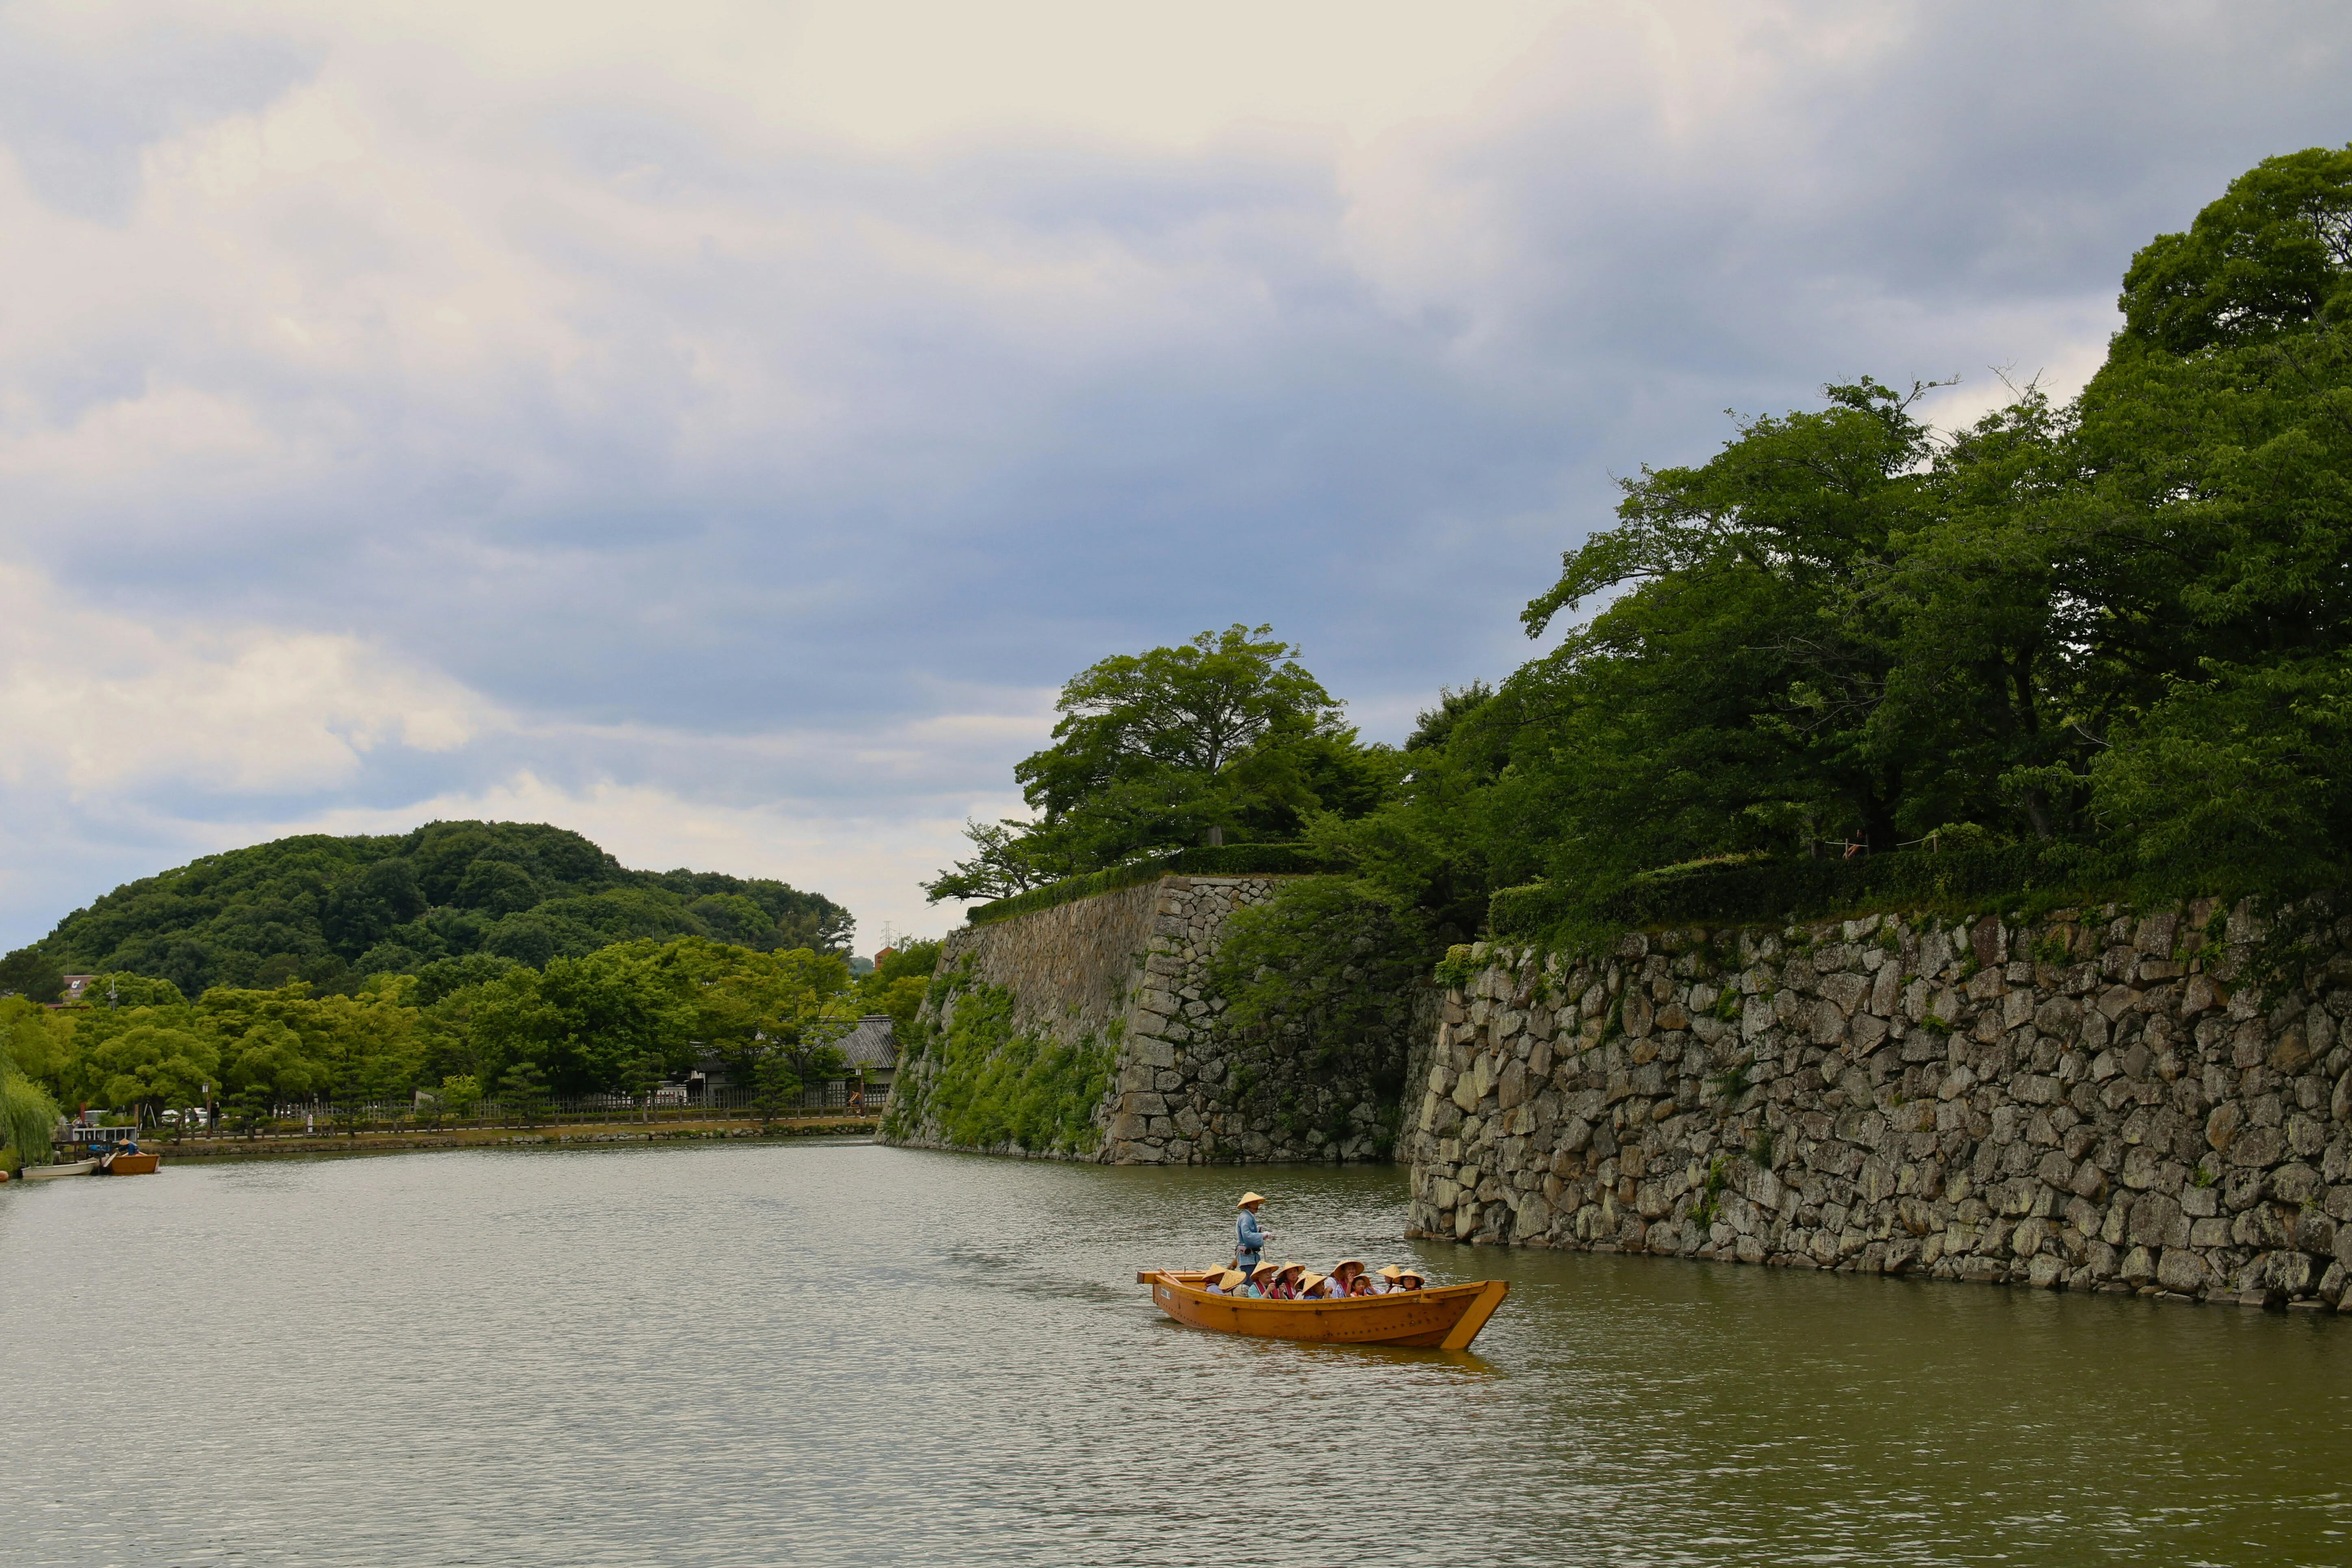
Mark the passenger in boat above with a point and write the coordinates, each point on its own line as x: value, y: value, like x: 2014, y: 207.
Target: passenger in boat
x: 1249, y: 1236
x: 1408, y: 1281
x: 1345, y: 1276
x: 1325, y: 1287
x: 1285, y: 1282
x: 1260, y: 1282
x: 1381, y: 1283
x: 1213, y: 1281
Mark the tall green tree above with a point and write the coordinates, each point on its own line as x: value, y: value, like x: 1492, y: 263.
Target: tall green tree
x: 1226, y: 737
x: 27, y: 1113
x: 1736, y: 691
x: 33, y: 974
x: 2216, y: 440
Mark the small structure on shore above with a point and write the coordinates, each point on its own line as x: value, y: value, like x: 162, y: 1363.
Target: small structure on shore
x: 872, y: 1049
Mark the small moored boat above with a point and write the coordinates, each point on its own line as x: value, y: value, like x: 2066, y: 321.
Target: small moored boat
x: 1447, y: 1318
x: 50, y: 1172
x: 128, y: 1163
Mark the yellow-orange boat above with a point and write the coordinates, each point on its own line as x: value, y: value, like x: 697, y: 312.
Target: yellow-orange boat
x: 1446, y: 1318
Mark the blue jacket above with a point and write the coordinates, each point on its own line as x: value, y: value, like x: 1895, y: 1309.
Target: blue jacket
x: 1248, y: 1240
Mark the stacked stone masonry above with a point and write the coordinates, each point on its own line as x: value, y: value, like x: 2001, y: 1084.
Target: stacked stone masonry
x: 2101, y: 1101
x: 1130, y: 966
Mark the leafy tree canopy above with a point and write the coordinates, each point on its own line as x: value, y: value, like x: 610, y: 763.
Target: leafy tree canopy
x: 619, y: 1019
x: 2117, y: 630
x: 2120, y: 628
x: 1226, y: 737
x: 439, y: 903
x: 897, y: 983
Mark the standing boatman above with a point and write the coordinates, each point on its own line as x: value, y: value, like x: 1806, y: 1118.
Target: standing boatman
x: 1249, y: 1236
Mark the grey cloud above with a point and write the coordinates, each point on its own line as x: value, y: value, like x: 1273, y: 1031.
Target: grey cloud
x: 77, y: 118
x: 828, y: 427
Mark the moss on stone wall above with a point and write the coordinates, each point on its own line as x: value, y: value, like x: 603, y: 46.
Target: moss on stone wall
x: 986, y: 1083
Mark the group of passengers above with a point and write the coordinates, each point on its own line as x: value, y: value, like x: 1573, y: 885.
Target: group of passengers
x: 1249, y: 1276
x: 1296, y: 1282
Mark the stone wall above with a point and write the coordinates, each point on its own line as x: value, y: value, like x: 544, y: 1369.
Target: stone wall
x: 2097, y: 1101
x: 1128, y: 968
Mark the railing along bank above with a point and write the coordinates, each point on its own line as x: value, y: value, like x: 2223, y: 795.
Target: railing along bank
x: 312, y: 1120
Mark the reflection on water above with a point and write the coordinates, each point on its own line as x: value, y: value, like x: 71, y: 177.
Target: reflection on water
x: 840, y: 1354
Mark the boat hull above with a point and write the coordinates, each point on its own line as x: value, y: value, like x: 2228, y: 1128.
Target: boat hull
x: 51, y: 1173
x: 142, y: 1164
x: 1447, y: 1318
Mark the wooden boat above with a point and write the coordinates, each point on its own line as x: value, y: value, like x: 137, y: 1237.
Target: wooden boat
x: 123, y: 1163
x: 1446, y: 1318
x: 49, y: 1172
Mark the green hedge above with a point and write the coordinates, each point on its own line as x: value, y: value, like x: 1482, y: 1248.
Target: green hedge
x: 1774, y: 892
x: 1221, y: 860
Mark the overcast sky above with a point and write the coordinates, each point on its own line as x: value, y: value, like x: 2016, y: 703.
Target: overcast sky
x: 720, y: 428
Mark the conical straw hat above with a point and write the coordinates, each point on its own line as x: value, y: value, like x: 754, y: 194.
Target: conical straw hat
x: 1249, y: 1198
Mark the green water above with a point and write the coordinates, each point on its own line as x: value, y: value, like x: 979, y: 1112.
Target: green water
x: 841, y: 1353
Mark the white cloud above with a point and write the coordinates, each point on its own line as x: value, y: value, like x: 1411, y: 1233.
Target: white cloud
x: 131, y: 746
x: 104, y: 705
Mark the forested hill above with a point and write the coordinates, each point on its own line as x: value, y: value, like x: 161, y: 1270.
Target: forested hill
x: 331, y: 910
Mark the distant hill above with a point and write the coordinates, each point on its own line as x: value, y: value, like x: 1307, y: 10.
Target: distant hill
x: 331, y: 910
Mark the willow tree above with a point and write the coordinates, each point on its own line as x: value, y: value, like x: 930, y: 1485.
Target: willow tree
x: 28, y: 1114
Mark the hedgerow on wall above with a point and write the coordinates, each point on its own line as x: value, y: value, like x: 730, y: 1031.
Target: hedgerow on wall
x: 1771, y: 892
x: 2019, y: 881
x: 1204, y: 860
x: 986, y: 1083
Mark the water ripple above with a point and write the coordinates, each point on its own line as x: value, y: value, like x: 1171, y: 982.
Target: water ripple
x: 843, y: 1355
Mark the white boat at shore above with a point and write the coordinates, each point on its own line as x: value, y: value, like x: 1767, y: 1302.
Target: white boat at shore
x: 44, y: 1173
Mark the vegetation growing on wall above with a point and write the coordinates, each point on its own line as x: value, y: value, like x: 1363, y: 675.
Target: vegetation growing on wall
x: 1227, y: 860
x: 1322, y: 974
x: 987, y: 1083
x: 1760, y: 890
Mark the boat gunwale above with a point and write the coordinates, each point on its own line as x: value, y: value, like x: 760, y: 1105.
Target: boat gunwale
x: 1396, y: 1298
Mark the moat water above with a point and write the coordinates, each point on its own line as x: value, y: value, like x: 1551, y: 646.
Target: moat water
x: 838, y: 1353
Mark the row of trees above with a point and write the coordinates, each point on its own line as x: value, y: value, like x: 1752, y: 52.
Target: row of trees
x: 2117, y: 628
x: 619, y: 1020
